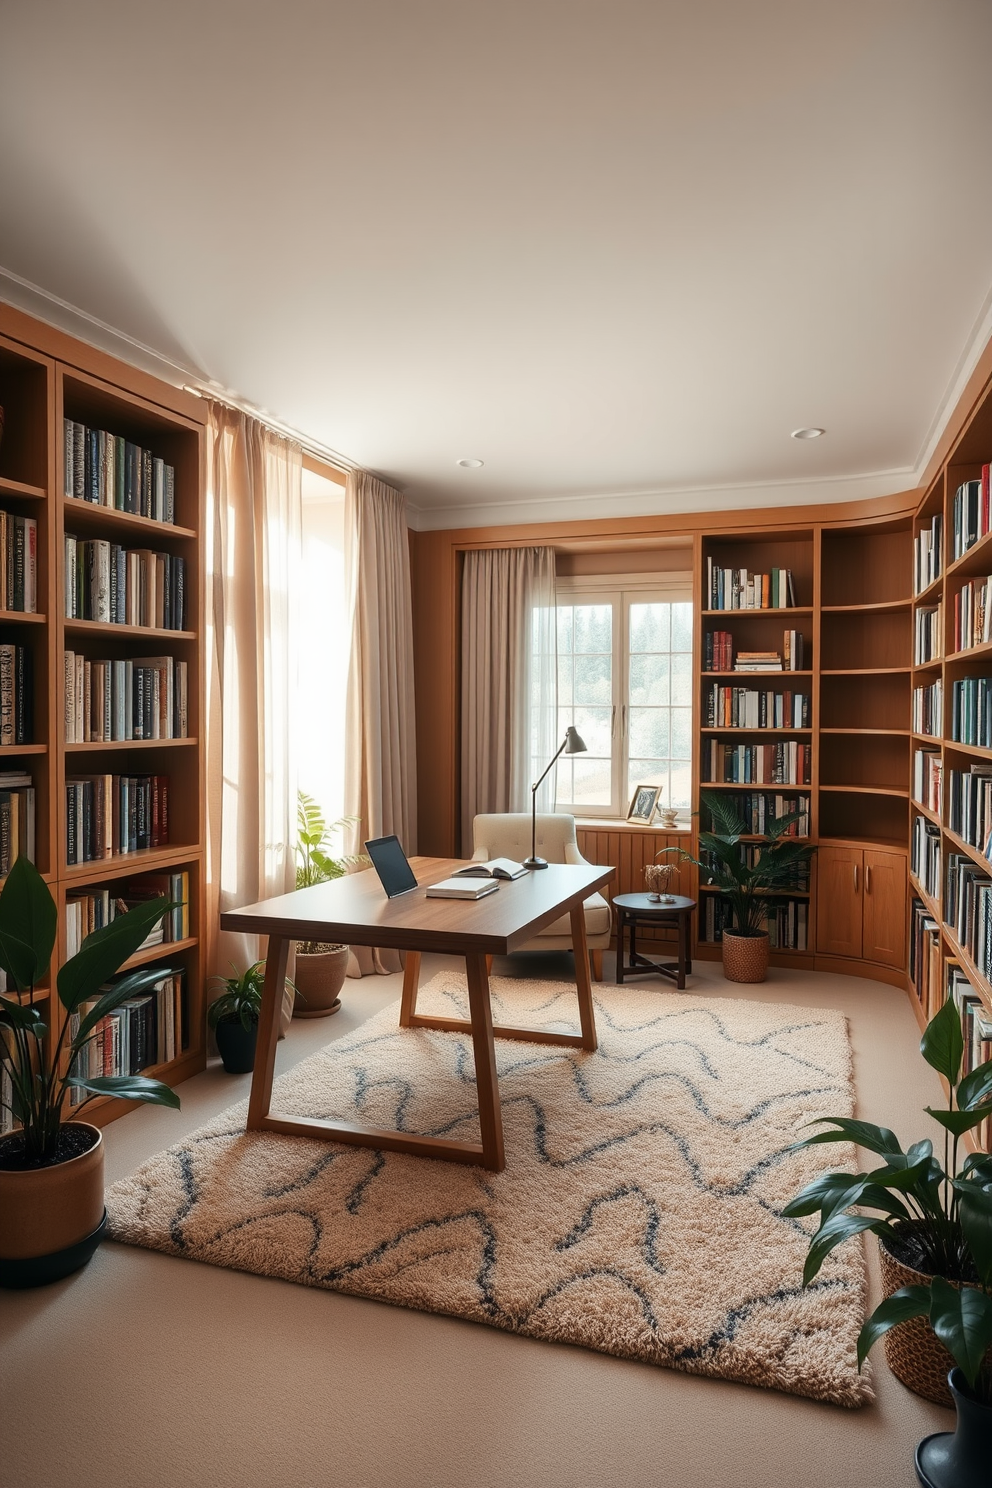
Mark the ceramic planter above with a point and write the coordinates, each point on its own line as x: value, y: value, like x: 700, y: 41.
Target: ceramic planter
x: 51, y: 1219
x: 319, y: 979
x: 958, y: 1459
x: 236, y: 1046
x: 745, y: 957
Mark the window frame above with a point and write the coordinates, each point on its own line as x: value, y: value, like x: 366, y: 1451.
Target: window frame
x: 621, y: 590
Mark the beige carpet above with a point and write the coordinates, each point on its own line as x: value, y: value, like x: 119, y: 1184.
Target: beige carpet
x: 638, y: 1213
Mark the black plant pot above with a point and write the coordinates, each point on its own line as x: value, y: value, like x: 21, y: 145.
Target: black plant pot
x: 237, y: 1047
x: 958, y: 1459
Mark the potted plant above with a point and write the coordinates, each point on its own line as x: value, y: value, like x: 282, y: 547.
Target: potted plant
x: 321, y: 967
x: 233, y: 1016
x: 748, y: 874
x: 51, y: 1165
x: 934, y: 1224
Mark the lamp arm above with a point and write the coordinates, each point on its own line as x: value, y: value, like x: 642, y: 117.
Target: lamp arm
x: 548, y: 770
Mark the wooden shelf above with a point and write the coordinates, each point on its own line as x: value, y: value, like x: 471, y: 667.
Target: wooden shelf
x: 978, y: 558
x: 135, y: 632
x: 883, y: 732
x: 925, y: 811
x: 120, y: 744
x: 970, y: 749
x: 754, y: 675
x: 867, y: 790
x: 92, y: 514
x: 22, y: 617
x: 932, y: 591
x: 975, y: 853
x: 21, y: 489
x: 864, y: 671
x: 145, y: 860
x: 737, y: 729
x: 754, y: 785
x: 790, y: 611
x: 160, y: 952
x: 858, y: 609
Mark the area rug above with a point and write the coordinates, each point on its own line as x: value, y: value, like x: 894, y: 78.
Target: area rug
x: 639, y: 1212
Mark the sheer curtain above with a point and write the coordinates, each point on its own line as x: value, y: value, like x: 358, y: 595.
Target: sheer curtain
x: 254, y: 561
x: 380, y: 753
x: 509, y: 681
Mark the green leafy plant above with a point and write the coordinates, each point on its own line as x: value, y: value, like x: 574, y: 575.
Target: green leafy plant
x: 934, y: 1218
x: 747, y: 873
x: 241, y: 1000
x: 314, y: 839
x: 41, y: 1069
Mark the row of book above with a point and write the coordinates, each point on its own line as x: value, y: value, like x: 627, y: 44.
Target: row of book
x: 973, y: 614
x: 18, y: 563
x: 969, y: 805
x: 927, y: 554
x: 751, y: 855
x: 928, y: 709
x: 108, y: 470
x: 924, y: 958
x: 970, y: 513
x: 786, y: 923
x: 737, y: 589
x: 745, y: 707
x: 927, y: 769
x: 758, y: 810
x: 111, y: 814
x: 718, y: 654
x: 123, y: 586
x: 93, y: 908
x: 146, y: 697
x: 925, y: 855
x: 16, y: 695
x: 926, y: 639
x: 968, y: 909
x: 786, y: 763
x: 17, y: 818
x: 976, y: 1030
x: 147, y: 1030
x: 971, y: 711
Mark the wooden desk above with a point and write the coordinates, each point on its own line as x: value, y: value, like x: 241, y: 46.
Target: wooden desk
x: 355, y: 910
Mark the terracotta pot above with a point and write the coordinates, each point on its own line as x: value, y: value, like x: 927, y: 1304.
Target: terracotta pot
x: 745, y: 957
x: 958, y: 1459
x: 913, y: 1351
x: 319, y: 979
x: 51, y: 1219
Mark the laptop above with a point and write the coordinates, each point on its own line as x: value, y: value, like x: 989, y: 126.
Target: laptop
x: 390, y: 862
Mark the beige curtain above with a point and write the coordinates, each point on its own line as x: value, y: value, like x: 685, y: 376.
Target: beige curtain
x: 509, y: 710
x: 253, y: 554
x: 380, y: 753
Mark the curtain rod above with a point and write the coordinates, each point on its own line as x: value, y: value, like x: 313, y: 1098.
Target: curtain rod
x: 286, y: 431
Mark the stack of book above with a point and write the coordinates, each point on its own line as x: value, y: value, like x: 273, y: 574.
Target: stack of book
x: 976, y: 1029
x: 969, y: 804
x: 110, y: 814
x: 968, y: 909
x: 143, y: 698
x: 758, y: 810
x: 973, y: 614
x: 927, y: 645
x: 924, y: 957
x: 927, y: 564
x: 94, y: 908
x: 123, y: 586
x: 928, y: 709
x: 925, y: 855
x: 971, y: 711
x: 970, y: 513
x: 718, y: 651
x: 17, y: 818
x: 744, y: 707
x: 147, y: 1030
x: 18, y: 563
x: 787, y: 763
x: 927, y: 768
x: 108, y: 470
x: 736, y: 589
x: 758, y: 661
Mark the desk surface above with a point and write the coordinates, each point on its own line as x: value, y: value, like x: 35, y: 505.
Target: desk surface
x: 355, y: 910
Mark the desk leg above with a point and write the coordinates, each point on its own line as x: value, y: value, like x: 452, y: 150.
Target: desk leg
x: 583, y: 986
x: 268, y: 1032
x: 411, y: 982
x: 487, y: 1086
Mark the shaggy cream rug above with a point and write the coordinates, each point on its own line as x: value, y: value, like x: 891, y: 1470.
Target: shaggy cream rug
x: 639, y: 1211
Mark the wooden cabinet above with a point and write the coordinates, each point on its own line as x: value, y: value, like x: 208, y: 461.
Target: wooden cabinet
x: 861, y: 904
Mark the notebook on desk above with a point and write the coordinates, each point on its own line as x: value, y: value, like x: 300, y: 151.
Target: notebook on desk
x: 461, y: 888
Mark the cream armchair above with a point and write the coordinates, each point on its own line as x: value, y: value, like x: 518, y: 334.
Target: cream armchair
x: 508, y: 836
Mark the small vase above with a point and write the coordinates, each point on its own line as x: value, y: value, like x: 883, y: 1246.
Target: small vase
x: 236, y: 1045
x: 959, y: 1459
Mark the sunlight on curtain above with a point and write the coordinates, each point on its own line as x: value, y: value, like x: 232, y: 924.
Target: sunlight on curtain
x: 324, y: 622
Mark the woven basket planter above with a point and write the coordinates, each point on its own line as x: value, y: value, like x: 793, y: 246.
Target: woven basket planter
x: 745, y: 957
x: 913, y: 1351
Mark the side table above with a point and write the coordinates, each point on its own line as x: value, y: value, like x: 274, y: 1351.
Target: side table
x: 634, y: 909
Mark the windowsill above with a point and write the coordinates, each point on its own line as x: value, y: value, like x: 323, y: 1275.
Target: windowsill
x: 617, y: 823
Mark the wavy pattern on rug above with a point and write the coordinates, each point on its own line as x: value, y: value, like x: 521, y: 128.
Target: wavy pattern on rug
x: 639, y: 1211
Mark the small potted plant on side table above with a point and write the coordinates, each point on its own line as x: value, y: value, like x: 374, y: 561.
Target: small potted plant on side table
x: 321, y: 967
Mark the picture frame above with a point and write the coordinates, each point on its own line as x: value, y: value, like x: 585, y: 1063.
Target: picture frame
x: 644, y: 803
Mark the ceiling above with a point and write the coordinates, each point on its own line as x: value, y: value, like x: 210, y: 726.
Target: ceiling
x: 618, y: 251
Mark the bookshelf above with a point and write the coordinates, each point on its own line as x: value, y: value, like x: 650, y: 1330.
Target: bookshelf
x: 46, y: 378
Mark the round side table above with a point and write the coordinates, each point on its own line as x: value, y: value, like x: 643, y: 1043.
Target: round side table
x: 638, y: 909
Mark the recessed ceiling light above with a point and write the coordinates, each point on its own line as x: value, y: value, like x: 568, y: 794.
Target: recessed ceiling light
x: 470, y: 464
x: 807, y: 433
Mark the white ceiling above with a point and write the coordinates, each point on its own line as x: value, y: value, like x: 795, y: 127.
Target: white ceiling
x: 616, y: 250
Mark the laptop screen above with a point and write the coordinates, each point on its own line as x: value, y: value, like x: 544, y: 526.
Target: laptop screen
x: 390, y: 862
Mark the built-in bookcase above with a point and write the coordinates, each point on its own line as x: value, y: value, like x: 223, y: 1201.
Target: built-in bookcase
x: 46, y: 378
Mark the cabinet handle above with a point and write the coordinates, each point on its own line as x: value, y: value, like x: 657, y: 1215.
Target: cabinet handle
x: 855, y: 878
x: 867, y: 878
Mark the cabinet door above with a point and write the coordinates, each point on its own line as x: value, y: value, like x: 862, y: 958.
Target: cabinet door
x: 839, y: 874
x: 885, y: 908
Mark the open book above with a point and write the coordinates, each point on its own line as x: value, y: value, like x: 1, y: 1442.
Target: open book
x: 495, y: 868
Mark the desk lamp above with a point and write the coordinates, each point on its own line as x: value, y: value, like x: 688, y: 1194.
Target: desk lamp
x: 571, y: 744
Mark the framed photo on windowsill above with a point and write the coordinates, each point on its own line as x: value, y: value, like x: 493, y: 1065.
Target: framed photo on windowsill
x: 644, y: 803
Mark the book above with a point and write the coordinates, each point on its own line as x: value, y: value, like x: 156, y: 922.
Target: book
x: 456, y: 888
x: 495, y: 868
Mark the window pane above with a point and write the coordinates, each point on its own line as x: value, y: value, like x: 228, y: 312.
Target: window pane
x: 649, y: 732
x: 593, y: 628
x: 564, y: 678
x: 681, y: 787
x: 565, y: 629
x: 682, y: 627
x: 594, y: 680
x: 649, y: 679
x: 681, y: 733
x: 593, y: 781
x: 650, y: 627
x: 648, y: 772
x: 593, y: 725
x: 682, y: 680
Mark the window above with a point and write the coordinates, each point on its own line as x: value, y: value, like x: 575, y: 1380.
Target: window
x: 625, y: 682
